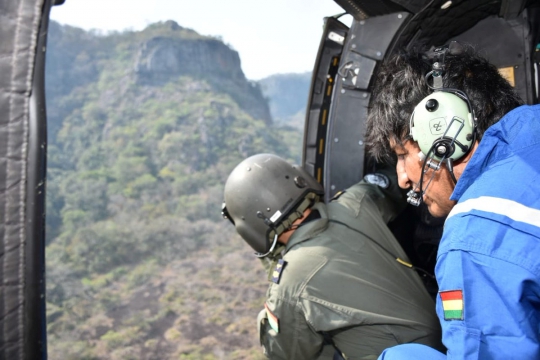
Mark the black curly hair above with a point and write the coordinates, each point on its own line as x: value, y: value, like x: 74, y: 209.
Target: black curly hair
x: 400, y: 85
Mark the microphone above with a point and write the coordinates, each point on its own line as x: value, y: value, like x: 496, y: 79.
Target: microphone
x: 415, y: 195
x: 414, y: 198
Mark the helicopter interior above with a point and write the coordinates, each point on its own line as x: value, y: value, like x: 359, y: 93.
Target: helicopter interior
x: 333, y: 151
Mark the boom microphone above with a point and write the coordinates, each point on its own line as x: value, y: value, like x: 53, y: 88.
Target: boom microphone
x: 414, y: 198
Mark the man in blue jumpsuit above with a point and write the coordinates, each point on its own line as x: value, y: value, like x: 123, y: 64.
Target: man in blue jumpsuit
x: 484, y: 175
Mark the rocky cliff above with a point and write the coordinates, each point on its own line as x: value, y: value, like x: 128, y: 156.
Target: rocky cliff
x: 158, y: 55
x: 179, y: 55
x: 162, y: 58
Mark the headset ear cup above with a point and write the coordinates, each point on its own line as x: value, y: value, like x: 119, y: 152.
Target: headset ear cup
x: 418, y: 130
x: 443, y: 148
x: 446, y: 130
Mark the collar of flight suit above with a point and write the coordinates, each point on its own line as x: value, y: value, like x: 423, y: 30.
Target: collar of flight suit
x: 310, y: 229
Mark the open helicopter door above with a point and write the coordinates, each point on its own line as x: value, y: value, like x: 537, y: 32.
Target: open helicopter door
x: 334, y: 149
x: 505, y: 32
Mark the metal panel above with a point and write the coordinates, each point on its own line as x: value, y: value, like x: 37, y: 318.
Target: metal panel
x: 507, y: 45
x: 322, y: 84
x: 345, y: 144
x: 367, y: 43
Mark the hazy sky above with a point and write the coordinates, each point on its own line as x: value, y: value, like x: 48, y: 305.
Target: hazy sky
x: 272, y: 36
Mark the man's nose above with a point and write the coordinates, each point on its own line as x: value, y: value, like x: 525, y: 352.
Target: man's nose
x: 402, y: 178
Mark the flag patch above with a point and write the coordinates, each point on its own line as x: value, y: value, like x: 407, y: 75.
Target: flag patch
x: 452, y: 303
x: 272, y: 319
x: 276, y: 275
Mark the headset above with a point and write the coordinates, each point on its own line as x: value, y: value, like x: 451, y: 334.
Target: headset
x: 443, y: 123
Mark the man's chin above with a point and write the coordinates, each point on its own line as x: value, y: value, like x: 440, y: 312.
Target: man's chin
x: 435, y: 210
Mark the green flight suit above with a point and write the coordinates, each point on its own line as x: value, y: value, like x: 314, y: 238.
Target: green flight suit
x: 347, y: 284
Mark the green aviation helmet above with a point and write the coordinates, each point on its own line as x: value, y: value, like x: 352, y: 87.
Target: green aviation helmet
x: 264, y: 195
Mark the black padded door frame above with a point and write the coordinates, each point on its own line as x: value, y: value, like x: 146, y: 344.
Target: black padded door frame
x: 23, y: 29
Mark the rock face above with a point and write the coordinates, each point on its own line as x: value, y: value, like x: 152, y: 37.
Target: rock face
x: 161, y: 56
x: 166, y: 56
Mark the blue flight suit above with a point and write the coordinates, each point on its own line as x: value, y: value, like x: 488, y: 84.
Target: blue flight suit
x: 489, y: 256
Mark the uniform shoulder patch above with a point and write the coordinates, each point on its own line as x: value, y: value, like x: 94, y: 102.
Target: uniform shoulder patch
x: 378, y: 179
x: 276, y: 275
x: 452, y: 304
x: 273, y: 320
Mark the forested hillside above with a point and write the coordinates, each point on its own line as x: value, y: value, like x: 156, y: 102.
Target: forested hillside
x: 144, y: 128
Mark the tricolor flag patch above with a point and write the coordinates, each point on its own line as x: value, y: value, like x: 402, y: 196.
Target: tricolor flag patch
x: 452, y: 303
x: 273, y: 320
